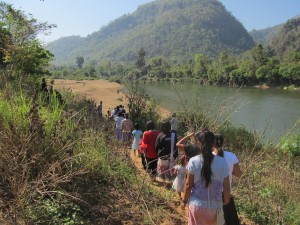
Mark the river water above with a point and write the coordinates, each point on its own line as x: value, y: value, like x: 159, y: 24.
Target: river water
x: 273, y: 110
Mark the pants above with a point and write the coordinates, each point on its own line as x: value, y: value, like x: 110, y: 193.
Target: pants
x: 230, y: 213
x: 152, y: 166
x: 144, y: 161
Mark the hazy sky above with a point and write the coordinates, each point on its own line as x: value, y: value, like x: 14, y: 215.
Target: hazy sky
x: 83, y: 17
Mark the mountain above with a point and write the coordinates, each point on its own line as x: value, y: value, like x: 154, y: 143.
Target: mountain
x: 173, y: 29
x: 288, y: 38
x: 264, y: 36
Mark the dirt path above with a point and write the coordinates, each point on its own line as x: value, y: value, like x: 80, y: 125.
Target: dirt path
x: 173, y: 203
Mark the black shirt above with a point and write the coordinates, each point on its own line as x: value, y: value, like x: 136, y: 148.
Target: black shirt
x: 163, y: 145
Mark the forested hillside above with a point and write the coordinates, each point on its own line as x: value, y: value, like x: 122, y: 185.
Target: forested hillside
x: 264, y: 36
x: 173, y: 29
x: 288, y: 38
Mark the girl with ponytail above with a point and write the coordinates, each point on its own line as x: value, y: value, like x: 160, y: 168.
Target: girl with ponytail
x: 230, y: 212
x: 207, y: 178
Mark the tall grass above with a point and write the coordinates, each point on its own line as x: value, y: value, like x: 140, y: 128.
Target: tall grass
x: 60, y: 165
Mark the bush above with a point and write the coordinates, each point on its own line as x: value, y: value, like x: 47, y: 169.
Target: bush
x: 291, y: 145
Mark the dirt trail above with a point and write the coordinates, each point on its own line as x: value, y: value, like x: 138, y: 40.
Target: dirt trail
x: 173, y: 203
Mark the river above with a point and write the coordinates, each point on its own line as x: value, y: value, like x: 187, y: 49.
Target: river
x: 255, y: 109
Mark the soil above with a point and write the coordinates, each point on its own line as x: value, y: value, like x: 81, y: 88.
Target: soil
x: 110, y: 93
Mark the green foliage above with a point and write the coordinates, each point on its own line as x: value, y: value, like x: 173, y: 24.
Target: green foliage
x: 183, y: 40
x: 264, y: 36
x: 54, y: 211
x: 240, y: 139
x: 79, y: 61
x: 291, y: 145
x: 140, y: 62
x: 140, y: 108
x: 288, y: 38
x: 23, y: 58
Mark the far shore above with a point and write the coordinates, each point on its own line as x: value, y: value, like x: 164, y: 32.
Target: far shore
x: 101, y: 90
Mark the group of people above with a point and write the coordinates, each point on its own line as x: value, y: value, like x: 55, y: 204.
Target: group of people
x: 203, y: 176
x: 48, y: 91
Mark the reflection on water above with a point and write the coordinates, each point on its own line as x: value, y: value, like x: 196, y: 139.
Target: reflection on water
x: 255, y: 108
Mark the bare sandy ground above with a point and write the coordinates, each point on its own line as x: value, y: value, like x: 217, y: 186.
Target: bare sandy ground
x: 100, y: 90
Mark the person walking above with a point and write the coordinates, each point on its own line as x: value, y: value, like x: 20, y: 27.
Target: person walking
x: 163, y: 147
x: 118, y: 120
x: 148, y: 144
x: 230, y: 212
x: 180, y: 171
x: 207, y: 176
x: 136, y: 136
x: 127, y: 127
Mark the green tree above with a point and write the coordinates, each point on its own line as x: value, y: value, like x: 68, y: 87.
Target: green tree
x: 141, y: 62
x: 23, y: 55
x: 79, y: 61
x: 199, y: 65
x: 259, y: 55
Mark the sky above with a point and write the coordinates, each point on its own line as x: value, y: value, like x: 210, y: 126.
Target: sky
x: 83, y: 17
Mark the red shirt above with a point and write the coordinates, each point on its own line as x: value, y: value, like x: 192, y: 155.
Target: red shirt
x: 149, y: 139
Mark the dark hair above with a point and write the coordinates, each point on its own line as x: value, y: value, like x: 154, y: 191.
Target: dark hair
x: 165, y: 127
x: 207, y: 140
x: 219, y: 140
x: 136, y: 126
x: 119, y: 114
x: 150, y: 125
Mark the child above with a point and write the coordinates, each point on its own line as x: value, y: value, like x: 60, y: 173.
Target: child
x: 136, y: 135
x: 180, y: 171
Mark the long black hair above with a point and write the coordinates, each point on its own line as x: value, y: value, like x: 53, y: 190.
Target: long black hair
x: 219, y: 140
x: 207, y: 140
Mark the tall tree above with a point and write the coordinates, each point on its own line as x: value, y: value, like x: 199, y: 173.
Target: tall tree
x: 21, y: 52
x: 79, y: 61
x: 140, y: 63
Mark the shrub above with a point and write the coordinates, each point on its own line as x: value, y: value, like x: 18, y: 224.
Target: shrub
x: 291, y: 145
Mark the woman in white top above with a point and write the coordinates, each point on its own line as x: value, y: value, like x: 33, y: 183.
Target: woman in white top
x: 207, y: 178
x: 230, y: 213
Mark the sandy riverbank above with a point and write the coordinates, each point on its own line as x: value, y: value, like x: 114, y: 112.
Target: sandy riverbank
x: 100, y: 90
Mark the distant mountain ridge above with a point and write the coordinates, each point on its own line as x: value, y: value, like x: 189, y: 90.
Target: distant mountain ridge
x: 172, y: 29
x: 288, y: 38
x: 264, y: 36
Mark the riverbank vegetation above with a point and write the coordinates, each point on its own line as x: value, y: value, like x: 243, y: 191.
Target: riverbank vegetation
x: 257, y: 67
x: 59, y: 165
